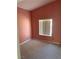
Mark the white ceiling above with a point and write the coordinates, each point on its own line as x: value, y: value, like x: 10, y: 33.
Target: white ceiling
x: 32, y: 4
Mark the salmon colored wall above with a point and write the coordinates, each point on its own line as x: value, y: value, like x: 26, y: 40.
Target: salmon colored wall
x: 52, y: 10
x: 24, y: 24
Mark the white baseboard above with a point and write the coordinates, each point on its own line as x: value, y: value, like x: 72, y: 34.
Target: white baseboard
x: 25, y: 41
x: 56, y: 43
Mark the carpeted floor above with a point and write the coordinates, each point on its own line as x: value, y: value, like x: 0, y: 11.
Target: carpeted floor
x: 35, y: 49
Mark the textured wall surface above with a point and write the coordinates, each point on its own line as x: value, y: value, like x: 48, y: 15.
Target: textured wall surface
x: 52, y: 10
x: 24, y: 24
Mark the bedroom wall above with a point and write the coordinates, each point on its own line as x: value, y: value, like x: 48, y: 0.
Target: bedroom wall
x: 24, y: 24
x: 52, y: 10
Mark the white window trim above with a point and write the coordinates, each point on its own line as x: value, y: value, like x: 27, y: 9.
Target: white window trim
x: 51, y: 24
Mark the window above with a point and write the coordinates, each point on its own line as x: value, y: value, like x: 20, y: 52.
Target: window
x: 45, y: 27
